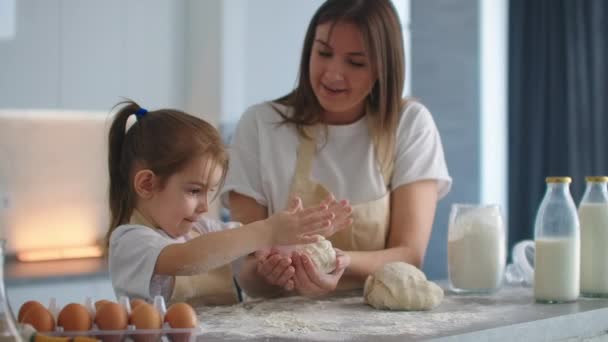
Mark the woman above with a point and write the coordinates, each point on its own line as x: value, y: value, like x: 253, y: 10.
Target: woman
x: 345, y: 130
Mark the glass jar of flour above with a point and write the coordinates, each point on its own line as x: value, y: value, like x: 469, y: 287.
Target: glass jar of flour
x: 557, y: 245
x: 593, y: 216
x: 476, y: 248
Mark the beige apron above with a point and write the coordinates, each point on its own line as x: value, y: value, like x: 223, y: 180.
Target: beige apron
x: 215, y: 287
x: 369, y: 231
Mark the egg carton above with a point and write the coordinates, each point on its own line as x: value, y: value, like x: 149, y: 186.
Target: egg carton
x: 165, y: 334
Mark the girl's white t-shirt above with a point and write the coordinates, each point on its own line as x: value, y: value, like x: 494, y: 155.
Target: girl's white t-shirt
x: 263, y: 155
x: 134, y: 250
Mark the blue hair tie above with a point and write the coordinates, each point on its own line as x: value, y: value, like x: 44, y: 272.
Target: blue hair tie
x: 141, y: 112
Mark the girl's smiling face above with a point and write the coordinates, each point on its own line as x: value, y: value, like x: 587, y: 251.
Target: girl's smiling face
x: 341, y: 74
x: 184, y: 198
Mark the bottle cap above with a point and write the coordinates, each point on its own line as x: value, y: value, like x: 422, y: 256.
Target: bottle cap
x: 597, y: 179
x: 558, y: 180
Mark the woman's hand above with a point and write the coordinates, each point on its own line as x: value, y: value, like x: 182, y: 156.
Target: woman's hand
x: 307, y: 279
x: 342, y: 211
x: 275, y: 268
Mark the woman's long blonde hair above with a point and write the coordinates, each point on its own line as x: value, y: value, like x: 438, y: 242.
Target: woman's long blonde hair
x: 379, y: 24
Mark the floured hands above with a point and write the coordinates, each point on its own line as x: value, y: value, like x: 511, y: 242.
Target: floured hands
x: 296, y: 225
x: 309, y: 282
x: 275, y: 268
x: 284, y: 267
x: 342, y: 211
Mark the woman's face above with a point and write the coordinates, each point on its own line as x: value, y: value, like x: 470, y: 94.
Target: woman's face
x: 341, y: 74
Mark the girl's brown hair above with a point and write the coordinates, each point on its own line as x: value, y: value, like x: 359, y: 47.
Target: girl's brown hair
x: 379, y: 24
x: 164, y: 141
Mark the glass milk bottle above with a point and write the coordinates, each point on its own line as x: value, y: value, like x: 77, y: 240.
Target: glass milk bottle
x: 593, y: 215
x: 557, y: 240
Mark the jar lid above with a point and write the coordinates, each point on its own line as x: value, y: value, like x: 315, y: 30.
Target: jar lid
x: 597, y: 179
x: 558, y: 180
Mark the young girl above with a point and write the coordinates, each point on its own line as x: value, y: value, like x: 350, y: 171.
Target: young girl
x: 163, y: 168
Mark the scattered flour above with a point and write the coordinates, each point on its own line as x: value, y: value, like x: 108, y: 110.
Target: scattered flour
x: 336, y: 318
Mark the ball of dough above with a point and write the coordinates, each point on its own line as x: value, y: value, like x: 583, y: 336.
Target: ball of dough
x: 322, y: 254
x: 401, y: 286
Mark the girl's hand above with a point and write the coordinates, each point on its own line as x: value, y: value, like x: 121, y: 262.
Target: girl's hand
x: 275, y: 268
x: 342, y: 211
x: 309, y: 282
x: 299, y: 226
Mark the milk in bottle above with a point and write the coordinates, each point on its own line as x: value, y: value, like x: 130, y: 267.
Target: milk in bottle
x: 593, y: 215
x: 557, y: 240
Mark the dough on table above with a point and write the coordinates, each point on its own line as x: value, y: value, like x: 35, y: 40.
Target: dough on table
x: 401, y: 286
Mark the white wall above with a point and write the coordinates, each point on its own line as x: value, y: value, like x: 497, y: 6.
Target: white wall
x: 85, y: 54
x: 7, y: 19
x: 261, y: 52
x: 203, y: 64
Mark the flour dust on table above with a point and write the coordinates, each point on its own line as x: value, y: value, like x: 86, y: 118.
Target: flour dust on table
x: 341, y: 317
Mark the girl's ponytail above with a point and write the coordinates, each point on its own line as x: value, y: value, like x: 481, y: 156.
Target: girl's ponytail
x: 119, y: 163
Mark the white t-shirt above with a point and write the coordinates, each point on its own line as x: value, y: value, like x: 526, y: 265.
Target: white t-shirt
x: 134, y: 250
x: 263, y: 156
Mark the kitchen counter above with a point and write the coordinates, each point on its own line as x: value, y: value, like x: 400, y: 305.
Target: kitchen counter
x: 66, y: 281
x: 508, y: 315
x: 56, y: 271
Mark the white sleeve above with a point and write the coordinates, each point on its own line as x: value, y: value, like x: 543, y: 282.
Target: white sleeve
x: 133, y: 253
x: 208, y: 225
x: 244, y: 172
x: 418, y: 151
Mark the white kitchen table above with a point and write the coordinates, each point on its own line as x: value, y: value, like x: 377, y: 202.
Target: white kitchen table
x: 507, y: 315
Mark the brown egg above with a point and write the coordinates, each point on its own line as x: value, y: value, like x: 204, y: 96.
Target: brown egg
x: 101, y: 302
x: 145, y: 316
x: 74, y: 317
x: 40, y: 318
x: 26, y: 307
x: 135, y: 302
x: 111, y: 316
x: 181, y: 315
